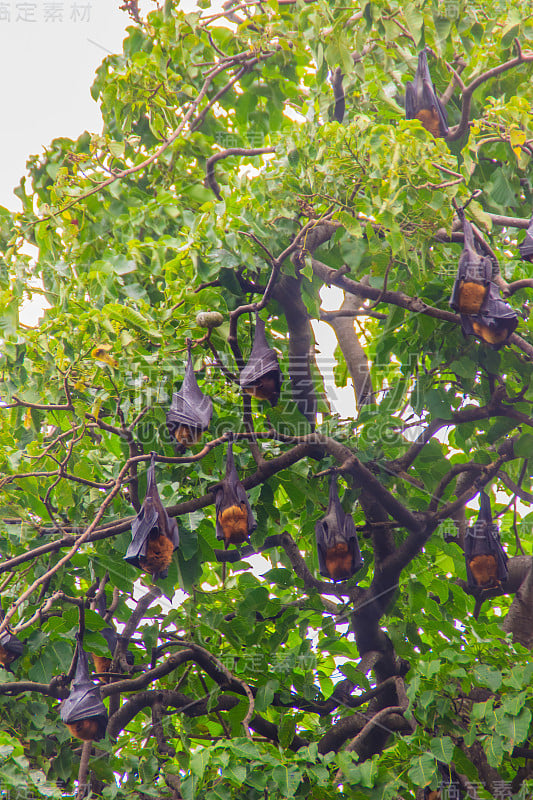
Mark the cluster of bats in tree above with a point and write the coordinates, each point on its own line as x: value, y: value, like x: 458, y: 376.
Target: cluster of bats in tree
x: 155, y: 535
x: 475, y: 294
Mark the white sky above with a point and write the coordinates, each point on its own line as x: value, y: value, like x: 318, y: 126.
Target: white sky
x: 49, y: 51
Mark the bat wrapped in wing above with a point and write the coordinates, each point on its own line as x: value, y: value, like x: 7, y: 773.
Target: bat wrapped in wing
x: 486, y: 560
x: 421, y: 101
x: 83, y: 712
x: 261, y: 376
x: 339, y: 556
x: 474, y: 274
x: 477, y: 298
x: 154, y: 535
x: 11, y: 648
x: 234, y: 518
x: 191, y: 410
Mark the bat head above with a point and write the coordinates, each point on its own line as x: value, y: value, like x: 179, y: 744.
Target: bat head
x: 191, y: 410
x: 261, y: 375
x: 83, y: 710
x: 154, y: 535
x: 234, y: 518
x: 339, y: 556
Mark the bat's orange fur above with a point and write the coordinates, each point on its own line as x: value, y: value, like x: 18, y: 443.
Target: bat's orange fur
x: 85, y: 729
x: 485, y: 570
x: 101, y: 664
x: 234, y: 524
x: 488, y: 335
x: 185, y: 435
x: 430, y: 120
x: 471, y: 296
x: 158, y: 554
x: 339, y: 562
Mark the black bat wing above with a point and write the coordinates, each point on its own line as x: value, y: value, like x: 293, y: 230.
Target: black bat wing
x: 141, y: 528
x: 321, y: 549
x: 263, y: 359
x: 190, y: 406
x: 526, y: 247
x: 166, y: 524
x: 84, y: 700
x: 243, y: 498
x: 410, y: 100
x: 350, y: 535
x: 110, y: 636
x: 497, y: 311
x: 152, y: 515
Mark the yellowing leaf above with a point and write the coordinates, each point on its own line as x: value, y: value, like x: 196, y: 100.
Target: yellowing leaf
x: 517, y: 138
x: 101, y: 353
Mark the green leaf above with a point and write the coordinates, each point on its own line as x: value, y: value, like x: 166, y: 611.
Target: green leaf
x: 442, y: 749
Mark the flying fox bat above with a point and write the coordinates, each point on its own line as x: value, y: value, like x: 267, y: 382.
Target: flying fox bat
x: 421, y: 101
x: 471, y: 287
x: 154, y: 535
x: 261, y: 377
x: 190, y: 411
x: 339, y: 556
x: 486, y: 560
x: 11, y: 648
x: 234, y: 518
x: 83, y: 712
x: 477, y: 298
x: 526, y: 247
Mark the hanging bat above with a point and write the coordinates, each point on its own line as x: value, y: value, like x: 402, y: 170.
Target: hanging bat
x: 234, y: 518
x: 431, y: 794
x: 11, y: 648
x: 261, y: 377
x: 83, y: 712
x: 471, y: 287
x: 421, y: 101
x: 486, y: 560
x: 526, y: 247
x: 477, y: 298
x: 190, y: 411
x: 154, y: 535
x: 339, y: 556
